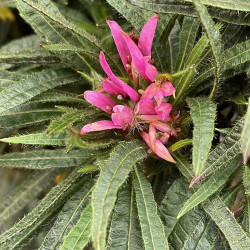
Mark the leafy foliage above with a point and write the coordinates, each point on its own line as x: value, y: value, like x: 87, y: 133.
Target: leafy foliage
x: 103, y: 190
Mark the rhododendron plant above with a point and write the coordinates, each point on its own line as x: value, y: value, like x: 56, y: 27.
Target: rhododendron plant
x: 124, y: 124
x: 138, y: 112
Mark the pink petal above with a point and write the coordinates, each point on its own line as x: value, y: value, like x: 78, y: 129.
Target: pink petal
x: 147, y: 36
x: 119, y: 42
x: 130, y: 91
x: 139, y: 60
x: 167, y: 88
x: 159, y: 96
x: 151, y: 71
x: 112, y: 88
x: 159, y: 150
x: 164, y: 110
x: 100, y: 100
x: 98, y: 126
x: 122, y: 115
x: 162, y: 152
x: 162, y: 127
x: 152, y: 136
x: 150, y: 91
x: 164, y: 138
x: 145, y: 107
x: 148, y: 118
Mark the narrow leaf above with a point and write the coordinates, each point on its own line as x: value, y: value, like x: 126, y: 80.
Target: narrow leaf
x: 124, y: 232
x: 246, y: 219
x: 38, y: 139
x: 203, y: 114
x: 246, y: 179
x: 25, y: 193
x: 180, y: 144
x: 79, y: 235
x: 25, y: 228
x: 215, y: 43
x: 112, y: 175
x: 151, y: 225
x: 221, y: 215
x: 43, y: 159
x: 245, y: 135
x: 24, y: 90
x: 187, y: 38
x: 67, y: 217
x: 216, y: 180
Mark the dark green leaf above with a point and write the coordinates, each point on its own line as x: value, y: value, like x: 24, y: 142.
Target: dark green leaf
x: 245, y: 135
x: 246, y: 179
x: 79, y: 235
x: 45, y: 158
x: 203, y: 112
x: 151, y: 225
x: 24, y: 90
x: 124, y: 232
x: 112, y: 176
x: 68, y: 217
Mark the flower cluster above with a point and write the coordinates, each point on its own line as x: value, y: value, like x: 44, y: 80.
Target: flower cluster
x: 135, y: 108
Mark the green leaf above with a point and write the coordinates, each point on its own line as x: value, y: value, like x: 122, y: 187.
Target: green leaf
x: 180, y: 144
x: 69, y: 118
x: 68, y: 217
x: 53, y: 27
x: 25, y: 193
x: 124, y: 232
x: 246, y: 179
x: 38, y: 139
x: 185, y: 8
x: 26, y: 50
x: 170, y: 206
x: 187, y: 38
x: 151, y: 225
x: 183, y: 84
x: 79, y: 235
x: 7, y: 78
x: 24, y: 90
x: 240, y: 5
x: 246, y: 219
x: 112, y: 176
x: 223, y: 153
x: 245, y: 135
x: 203, y: 113
x: 215, y: 43
x: 239, y: 99
x: 225, y: 220
x: 16, y: 237
x: 45, y: 158
x: 27, y: 117
x: 217, y: 179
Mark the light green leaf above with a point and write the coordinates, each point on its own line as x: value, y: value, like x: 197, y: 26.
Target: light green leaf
x: 187, y: 38
x: 17, y: 236
x: 24, y: 90
x: 68, y: 217
x: 180, y: 144
x: 45, y: 158
x: 215, y: 43
x: 245, y: 135
x: 25, y: 51
x: 217, y: 179
x: 38, y: 139
x: 27, y: 117
x: 246, y: 179
x: 203, y: 113
x: 185, y: 8
x: 25, y: 193
x: 239, y: 99
x: 112, y: 176
x: 225, y: 220
x: 124, y: 232
x: 151, y: 225
x: 79, y: 235
x: 69, y: 118
x: 240, y: 5
x: 223, y: 153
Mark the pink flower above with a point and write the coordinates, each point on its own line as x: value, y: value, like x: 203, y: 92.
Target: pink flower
x: 151, y: 118
x: 158, y: 90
